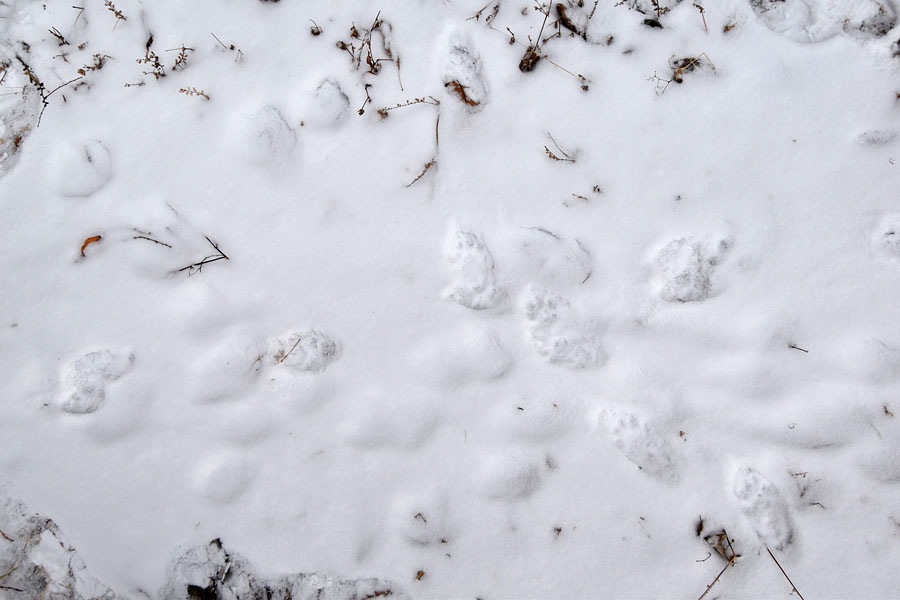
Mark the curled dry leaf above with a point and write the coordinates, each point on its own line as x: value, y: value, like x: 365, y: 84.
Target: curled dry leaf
x: 88, y: 242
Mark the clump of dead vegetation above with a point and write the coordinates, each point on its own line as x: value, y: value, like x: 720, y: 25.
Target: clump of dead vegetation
x: 192, y: 91
x: 120, y: 16
x: 360, y: 48
x: 681, y: 67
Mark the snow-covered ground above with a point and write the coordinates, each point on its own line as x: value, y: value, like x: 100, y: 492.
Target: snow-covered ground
x: 445, y: 299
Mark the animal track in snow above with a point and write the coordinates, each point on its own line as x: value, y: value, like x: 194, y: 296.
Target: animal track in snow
x: 647, y: 448
x: 329, y: 104
x: 686, y: 268
x: 534, y: 420
x: 295, y: 365
x: 474, y: 286
x: 228, y: 367
x: 305, y: 392
x: 764, y: 508
x: 394, y: 420
x: 307, y: 350
x: 818, y: 20
x: 17, y: 112
x: 534, y: 255
x: 462, y: 75
x: 263, y: 136
x: 81, y: 169
x: 221, y: 477
x: 85, y: 379
x: 877, y: 137
x: 872, y: 360
x: 421, y: 519
x: 558, y: 333
x: 509, y: 478
x: 470, y: 354
x: 886, y: 235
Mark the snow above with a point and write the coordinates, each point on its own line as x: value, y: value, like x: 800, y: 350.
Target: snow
x: 340, y: 299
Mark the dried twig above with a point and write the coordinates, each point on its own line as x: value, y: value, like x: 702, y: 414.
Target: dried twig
x: 182, y: 58
x: 793, y: 587
x: 495, y: 9
x: 731, y: 559
x: 45, y: 97
x: 702, y: 10
x: 566, y: 156
x: 383, y: 112
x: 192, y: 91
x: 149, y: 239
x: 197, y: 267
x: 428, y: 165
x: 362, y: 109
x: 460, y: 90
x: 120, y: 16
x: 60, y: 40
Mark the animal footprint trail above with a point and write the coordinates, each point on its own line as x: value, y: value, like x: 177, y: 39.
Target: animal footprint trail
x: 542, y: 257
x: 462, y: 74
x: 475, y: 285
x: 307, y: 350
x: 686, y: 268
x: 509, y: 478
x: 641, y: 444
x: 421, y: 519
x: 558, y: 333
x: 815, y: 21
x: 764, y: 507
x: 85, y: 379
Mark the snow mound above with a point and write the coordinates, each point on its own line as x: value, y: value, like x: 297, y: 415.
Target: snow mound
x: 764, y: 508
x: 85, y: 379
x: 37, y: 562
x: 213, y: 572
x: 80, y: 170
x: 558, y: 333
x: 686, y: 268
x: 475, y: 285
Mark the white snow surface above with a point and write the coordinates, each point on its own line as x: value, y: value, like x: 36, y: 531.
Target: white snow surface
x: 347, y: 299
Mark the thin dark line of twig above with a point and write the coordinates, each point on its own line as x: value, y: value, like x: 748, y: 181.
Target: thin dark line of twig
x: 793, y: 587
